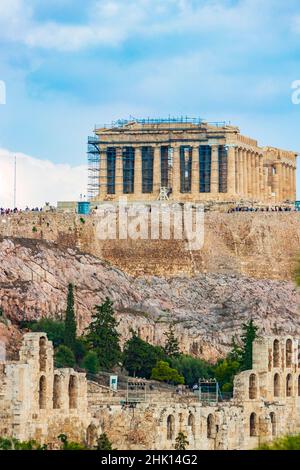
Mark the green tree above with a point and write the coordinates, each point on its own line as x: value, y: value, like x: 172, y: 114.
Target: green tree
x: 103, y: 443
x: 248, y: 336
x: 164, y: 373
x: 224, y: 371
x: 191, y: 368
x: 171, y: 347
x: 90, y: 362
x: 70, y: 320
x: 103, y: 337
x: 139, y: 357
x: 64, y: 357
x: 181, y: 441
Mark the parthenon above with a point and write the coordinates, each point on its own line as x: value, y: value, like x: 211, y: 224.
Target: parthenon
x: 186, y: 160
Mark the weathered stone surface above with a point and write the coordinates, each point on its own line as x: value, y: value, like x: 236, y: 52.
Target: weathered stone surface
x: 208, y: 308
x: 260, y: 245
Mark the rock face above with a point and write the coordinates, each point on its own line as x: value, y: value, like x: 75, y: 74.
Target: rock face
x: 208, y: 309
x: 260, y: 244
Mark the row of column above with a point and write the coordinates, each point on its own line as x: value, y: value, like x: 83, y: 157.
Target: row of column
x: 274, y: 182
x: 175, y: 171
x: 247, y: 176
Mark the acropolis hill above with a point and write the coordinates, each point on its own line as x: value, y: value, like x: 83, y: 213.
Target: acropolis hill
x: 244, y: 270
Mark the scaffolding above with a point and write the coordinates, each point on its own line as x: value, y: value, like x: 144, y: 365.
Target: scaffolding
x: 112, y: 170
x: 209, y: 391
x: 136, y: 393
x: 93, y: 153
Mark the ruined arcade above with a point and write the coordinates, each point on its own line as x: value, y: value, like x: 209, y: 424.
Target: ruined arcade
x: 39, y: 402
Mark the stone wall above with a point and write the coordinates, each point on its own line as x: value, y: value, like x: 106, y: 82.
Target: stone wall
x: 260, y: 245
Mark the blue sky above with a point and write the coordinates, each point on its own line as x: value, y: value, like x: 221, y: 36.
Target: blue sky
x: 69, y: 64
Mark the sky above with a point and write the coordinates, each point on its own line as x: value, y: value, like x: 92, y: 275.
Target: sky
x: 68, y: 65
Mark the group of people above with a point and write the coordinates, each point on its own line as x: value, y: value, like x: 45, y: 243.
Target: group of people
x: 262, y: 209
x: 4, y: 211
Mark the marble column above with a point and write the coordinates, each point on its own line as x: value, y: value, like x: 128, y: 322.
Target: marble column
x: 103, y: 172
x: 195, y: 171
x: 156, y: 171
x: 241, y: 172
x: 237, y: 172
x: 231, y: 189
x: 261, y: 178
x: 276, y: 180
x: 249, y: 175
x: 138, y: 172
x: 245, y: 174
x: 214, y: 181
x: 119, y: 172
x: 176, y: 173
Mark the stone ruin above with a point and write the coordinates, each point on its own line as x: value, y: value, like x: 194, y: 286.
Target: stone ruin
x: 40, y: 402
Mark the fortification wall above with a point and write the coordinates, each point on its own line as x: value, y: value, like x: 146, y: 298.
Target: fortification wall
x: 260, y: 245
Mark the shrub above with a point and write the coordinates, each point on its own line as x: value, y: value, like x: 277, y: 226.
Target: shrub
x: 64, y: 357
x: 90, y: 362
x: 164, y: 373
x: 53, y: 328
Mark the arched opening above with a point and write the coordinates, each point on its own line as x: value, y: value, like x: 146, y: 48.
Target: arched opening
x: 273, y: 423
x: 91, y: 436
x: 253, y: 425
x: 289, y: 385
x: 288, y: 352
x: 276, y: 385
x: 73, y: 392
x: 57, y: 389
x: 211, y: 427
x: 252, y: 386
x: 42, y: 393
x: 276, y: 353
x: 43, y: 353
x: 191, y: 423
x: 170, y: 427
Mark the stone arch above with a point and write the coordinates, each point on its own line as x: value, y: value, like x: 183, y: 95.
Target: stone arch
x: 211, y: 426
x: 288, y: 352
x: 73, y: 392
x: 252, y: 386
x: 253, y: 425
x: 170, y: 427
x: 57, y: 392
x: 191, y: 423
x: 43, y: 353
x: 273, y: 423
x: 277, y: 385
x: 289, y: 385
x: 91, y: 435
x: 276, y: 353
x: 42, y: 392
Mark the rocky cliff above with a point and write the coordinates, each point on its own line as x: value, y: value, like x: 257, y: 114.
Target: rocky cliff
x: 208, y: 308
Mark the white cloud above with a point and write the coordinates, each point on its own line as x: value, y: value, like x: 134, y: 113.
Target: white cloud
x: 39, y: 181
x: 113, y: 21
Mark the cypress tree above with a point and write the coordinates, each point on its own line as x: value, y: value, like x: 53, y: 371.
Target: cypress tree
x: 171, y: 347
x: 70, y: 321
x: 249, y: 335
x: 103, y: 337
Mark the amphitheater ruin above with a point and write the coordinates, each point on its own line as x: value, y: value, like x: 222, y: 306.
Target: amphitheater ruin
x: 186, y: 160
x: 40, y: 402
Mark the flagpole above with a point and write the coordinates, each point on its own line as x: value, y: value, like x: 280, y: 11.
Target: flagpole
x: 15, y: 183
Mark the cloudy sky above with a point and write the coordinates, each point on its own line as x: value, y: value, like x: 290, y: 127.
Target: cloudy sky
x: 68, y: 65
